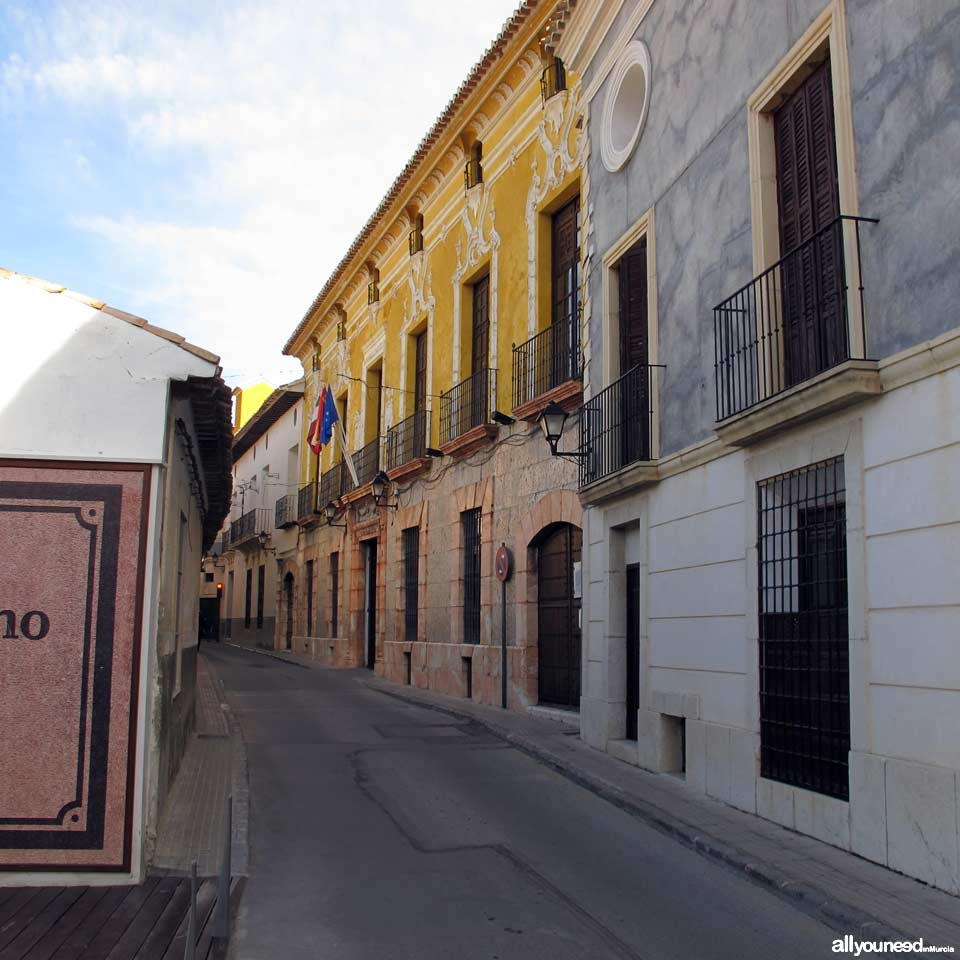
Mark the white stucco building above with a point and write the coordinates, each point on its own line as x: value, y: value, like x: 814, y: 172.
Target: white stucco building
x: 114, y: 479
x: 256, y: 607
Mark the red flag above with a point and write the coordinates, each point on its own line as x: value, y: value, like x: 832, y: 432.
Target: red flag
x: 313, y: 435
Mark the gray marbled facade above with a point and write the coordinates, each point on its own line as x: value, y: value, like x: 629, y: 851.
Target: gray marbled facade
x: 691, y: 165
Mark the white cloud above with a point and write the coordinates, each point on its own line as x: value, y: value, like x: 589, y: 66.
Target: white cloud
x: 277, y: 128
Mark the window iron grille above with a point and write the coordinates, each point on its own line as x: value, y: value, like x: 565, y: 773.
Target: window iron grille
x: 411, y: 582
x: 804, y: 631
x: 334, y: 594
x: 261, y: 574
x: 470, y: 524
x: 308, y: 626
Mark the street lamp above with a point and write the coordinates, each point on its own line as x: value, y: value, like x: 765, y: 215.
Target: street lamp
x: 330, y: 511
x: 263, y: 537
x: 379, y: 487
x: 552, y: 421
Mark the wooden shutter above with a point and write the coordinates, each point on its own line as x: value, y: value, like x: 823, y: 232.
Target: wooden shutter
x: 420, y: 373
x: 634, y: 394
x: 480, y: 351
x: 565, y: 255
x: 814, y: 309
x: 633, y: 307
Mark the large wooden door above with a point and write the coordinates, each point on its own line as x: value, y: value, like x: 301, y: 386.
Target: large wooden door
x: 565, y: 289
x: 634, y: 355
x: 558, y: 618
x: 812, y: 283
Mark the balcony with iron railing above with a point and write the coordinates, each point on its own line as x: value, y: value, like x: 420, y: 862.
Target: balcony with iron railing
x: 791, y: 344
x: 332, y: 484
x: 286, y: 512
x: 548, y: 368
x: 406, y: 443
x: 221, y: 545
x: 366, y: 461
x: 249, y: 526
x: 465, y: 411
x: 553, y: 80
x: 618, y: 430
x: 307, y: 501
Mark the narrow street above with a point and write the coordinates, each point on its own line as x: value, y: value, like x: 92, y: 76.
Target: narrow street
x: 379, y: 829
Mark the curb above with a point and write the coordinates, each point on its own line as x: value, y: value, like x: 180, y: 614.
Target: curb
x: 814, y: 901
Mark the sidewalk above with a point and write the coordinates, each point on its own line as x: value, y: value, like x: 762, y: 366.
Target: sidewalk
x: 213, y: 767
x: 848, y: 893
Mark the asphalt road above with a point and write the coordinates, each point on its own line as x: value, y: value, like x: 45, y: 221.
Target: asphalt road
x: 383, y: 830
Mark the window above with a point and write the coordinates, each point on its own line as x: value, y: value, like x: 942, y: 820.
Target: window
x: 309, y: 625
x: 416, y: 235
x: 208, y: 576
x: 334, y: 594
x: 625, y: 108
x: 553, y: 79
x: 470, y: 525
x: 373, y: 287
x: 804, y: 649
x: 247, y: 599
x: 261, y: 575
x: 411, y: 582
x: 473, y: 171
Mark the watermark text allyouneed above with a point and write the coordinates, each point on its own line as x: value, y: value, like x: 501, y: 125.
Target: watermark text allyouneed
x: 858, y: 947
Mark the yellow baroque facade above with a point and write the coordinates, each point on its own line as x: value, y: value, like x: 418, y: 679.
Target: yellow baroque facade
x: 451, y: 322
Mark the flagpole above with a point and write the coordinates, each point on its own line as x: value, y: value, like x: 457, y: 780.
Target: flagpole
x: 346, y: 452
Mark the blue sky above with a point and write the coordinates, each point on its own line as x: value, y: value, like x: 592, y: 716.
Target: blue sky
x: 206, y: 164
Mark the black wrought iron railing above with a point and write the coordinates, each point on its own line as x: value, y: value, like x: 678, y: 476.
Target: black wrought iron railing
x: 467, y: 405
x: 792, y: 322
x: 407, y: 440
x: 332, y: 485
x: 286, y: 511
x: 545, y: 361
x: 366, y: 461
x: 221, y: 545
x: 307, y: 500
x: 249, y: 525
x: 616, y: 425
x: 553, y: 79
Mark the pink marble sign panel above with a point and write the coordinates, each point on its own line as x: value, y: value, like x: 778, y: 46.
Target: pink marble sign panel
x: 70, y: 610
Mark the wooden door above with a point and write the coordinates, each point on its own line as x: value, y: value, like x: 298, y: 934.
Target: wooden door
x: 814, y: 326
x: 565, y: 293
x: 634, y: 399
x: 420, y: 438
x: 288, y: 603
x: 480, y: 353
x: 558, y: 618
